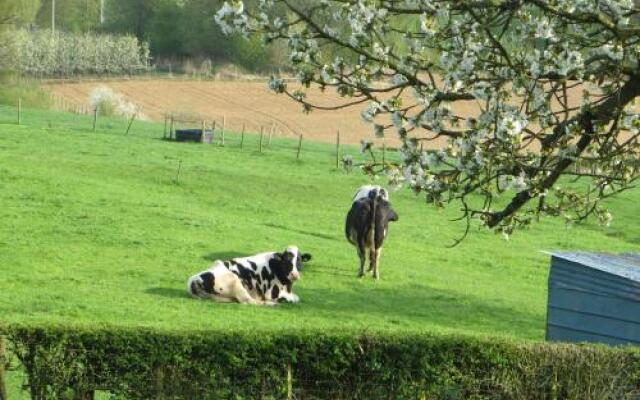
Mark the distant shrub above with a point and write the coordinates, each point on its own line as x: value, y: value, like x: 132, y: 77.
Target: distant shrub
x: 65, y: 54
x: 110, y: 103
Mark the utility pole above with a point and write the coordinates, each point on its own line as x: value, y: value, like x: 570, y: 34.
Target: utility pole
x: 53, y: 17
x: 101, y: 12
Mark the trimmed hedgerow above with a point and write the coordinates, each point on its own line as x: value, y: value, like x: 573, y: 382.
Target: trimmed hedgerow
x: 144, y: 364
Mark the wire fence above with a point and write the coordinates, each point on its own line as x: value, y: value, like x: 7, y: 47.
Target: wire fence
x: 209, y: 131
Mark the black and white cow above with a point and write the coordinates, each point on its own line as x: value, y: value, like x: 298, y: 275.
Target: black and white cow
x: 264, y: 279
x: 367, y: 224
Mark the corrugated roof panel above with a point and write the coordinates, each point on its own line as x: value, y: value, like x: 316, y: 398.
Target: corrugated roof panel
x: 627, y: 266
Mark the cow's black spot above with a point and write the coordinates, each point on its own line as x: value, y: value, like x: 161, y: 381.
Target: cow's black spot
x: 208, y: 282
x: 264, y: 274
x: 254, y: 266
x: 281, y: 267
x: 226, y: 264
x: 275, y: 292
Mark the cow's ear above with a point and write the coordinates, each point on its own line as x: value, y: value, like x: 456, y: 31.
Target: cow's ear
x: 305, y: 257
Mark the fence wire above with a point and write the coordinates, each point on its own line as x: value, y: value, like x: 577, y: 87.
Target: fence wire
x: 73, y: 119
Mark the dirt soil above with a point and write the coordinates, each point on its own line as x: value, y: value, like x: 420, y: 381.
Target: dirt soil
x: 248, y: 103
x: 240, y: 103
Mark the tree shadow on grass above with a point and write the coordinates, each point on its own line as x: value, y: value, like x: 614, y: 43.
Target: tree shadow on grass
x: 414, y: 303
x: 171, y: 293
x: 223, y: 255
x: 302, y: 232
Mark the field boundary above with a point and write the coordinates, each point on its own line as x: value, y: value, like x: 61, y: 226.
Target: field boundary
x: 148, y: 364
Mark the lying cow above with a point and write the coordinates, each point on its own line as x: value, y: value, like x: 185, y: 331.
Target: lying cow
x: 368, y: 223
x: 264, y: 279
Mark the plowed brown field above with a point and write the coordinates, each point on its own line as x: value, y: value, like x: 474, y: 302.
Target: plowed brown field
x: 239, y: 102
x: 248, y: 103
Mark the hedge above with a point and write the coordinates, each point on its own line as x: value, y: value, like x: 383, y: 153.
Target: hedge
x: 145, y: 364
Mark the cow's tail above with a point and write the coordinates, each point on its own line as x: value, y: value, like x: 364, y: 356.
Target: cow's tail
x: 373, y: 197
x: 195, y: 286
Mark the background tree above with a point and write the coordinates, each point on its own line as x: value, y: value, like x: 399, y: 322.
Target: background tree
x: 75, y: 16
x: 13, y: 14
x: 527, y: 145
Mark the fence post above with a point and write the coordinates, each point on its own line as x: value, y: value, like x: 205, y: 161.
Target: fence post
x: 289, y: 382
x: 133, y: 116
x: 224, y: 121
x: 338, y: 149
x: 271, y: 133
x: 384, y: 151
x: 171, y: 129
x: 178, y: 174
x: 242, y: 138
x: 95, y: 118
x: 299, y: 147
x: 19, y: 109
x: 3, y: 387
x: 202, y: 132
x: 164, y: 131
x: 261, y: 135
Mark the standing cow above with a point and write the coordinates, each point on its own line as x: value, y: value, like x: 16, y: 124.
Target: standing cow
x: 368, y: 223
x: 264, y: 279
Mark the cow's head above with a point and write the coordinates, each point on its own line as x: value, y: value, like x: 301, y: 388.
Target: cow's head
x: 288, y: 264
x: 388, y: 214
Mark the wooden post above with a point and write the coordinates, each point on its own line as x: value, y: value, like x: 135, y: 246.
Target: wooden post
x: 19, y: 109
x: 384, y: 150
x: 299, y: 147
x: 171, y: 129
x: 261, y: 135
x: 242, y: 138
x: 213, y: 130
x: 3, y: 360
x: 179, y: 168
x: 164, y: 132
x: 338, y: 149
x: 289, y: 382
x: 202, y: 132
x: 224, y: 121
x: 95, y: 118
x: 133, y: 116
x: 271, y: 133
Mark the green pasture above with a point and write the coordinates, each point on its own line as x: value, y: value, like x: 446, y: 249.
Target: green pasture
x: 103, y: 229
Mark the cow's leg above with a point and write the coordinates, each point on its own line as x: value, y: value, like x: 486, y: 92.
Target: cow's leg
x: 221, y: 299
x: 362, y: 252
x: 375, y: 262
x: 372, y: 259
x: 289, y: 297
x: 242, y: 295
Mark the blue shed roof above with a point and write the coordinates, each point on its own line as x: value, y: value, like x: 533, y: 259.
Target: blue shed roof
x: 626, y: 265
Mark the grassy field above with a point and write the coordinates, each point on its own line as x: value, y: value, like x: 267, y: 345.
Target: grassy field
x: 100, y: 229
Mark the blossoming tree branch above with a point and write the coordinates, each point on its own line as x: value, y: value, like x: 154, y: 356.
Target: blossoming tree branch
x: 548, y: 87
